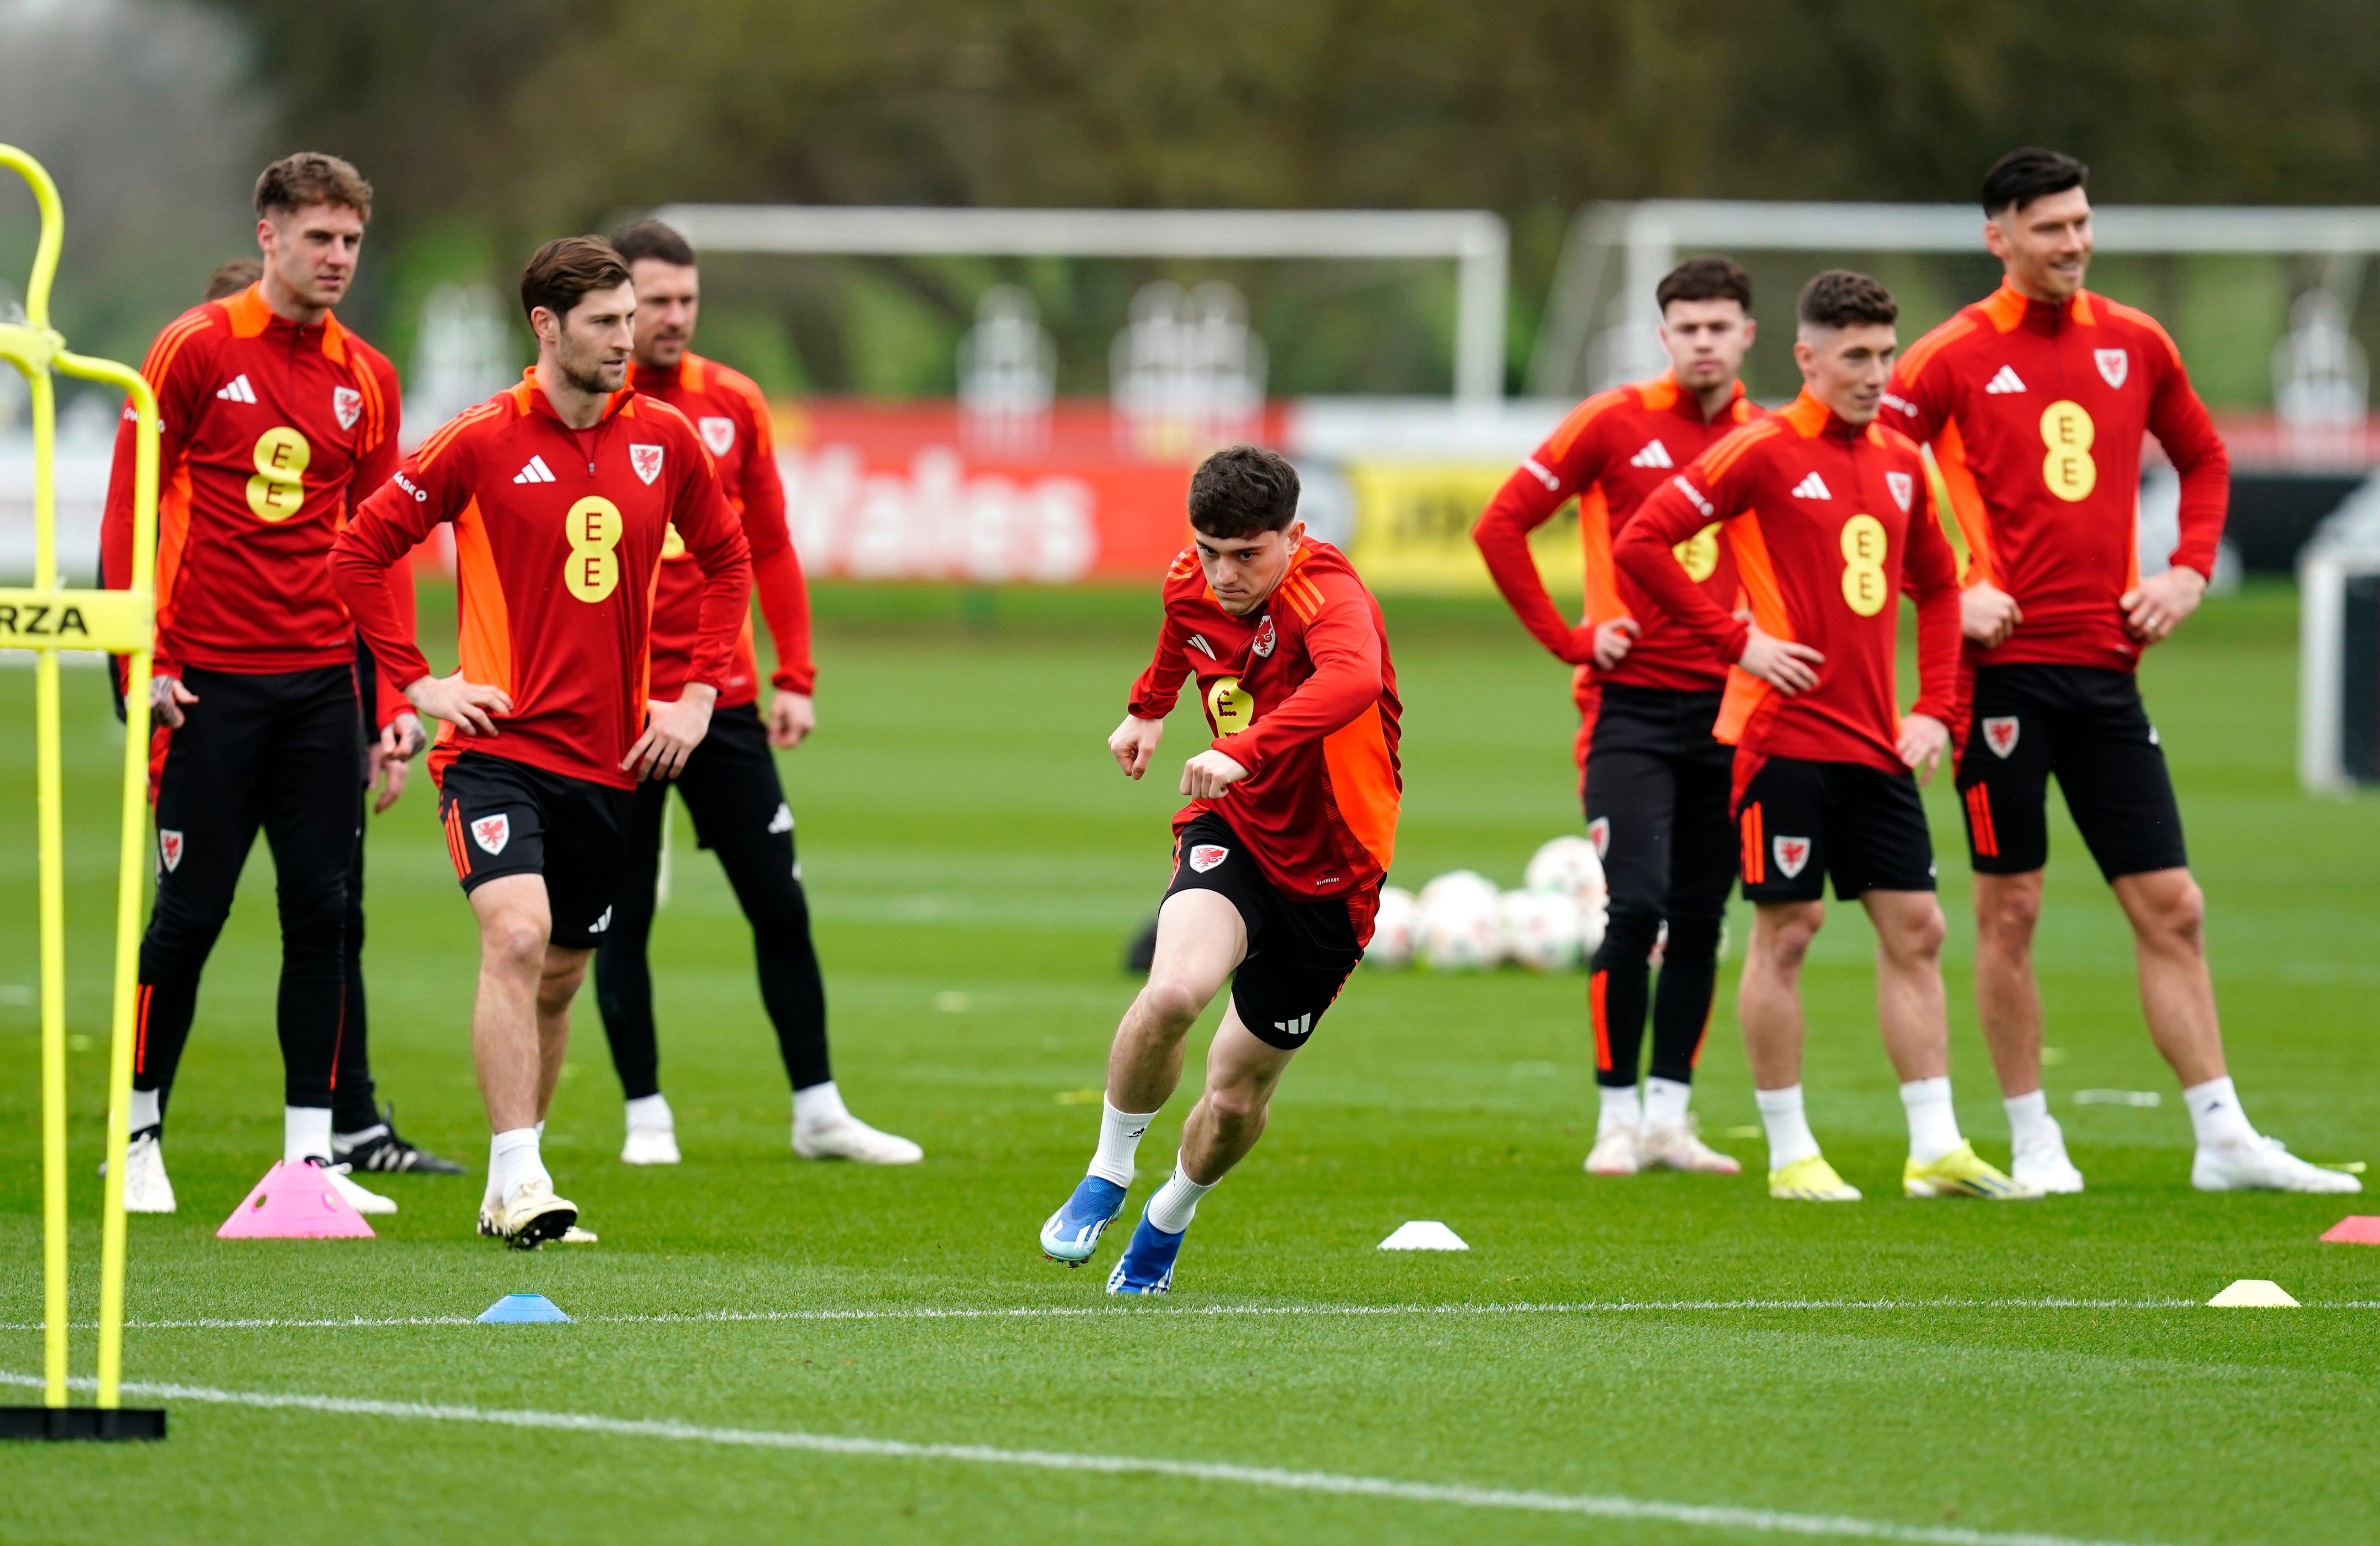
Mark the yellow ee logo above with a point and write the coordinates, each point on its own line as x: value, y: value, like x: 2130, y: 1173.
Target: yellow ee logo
x: 277, y: 491
x: 1698, y: 554
x: 1864, y: 545
x: 673, y: 545
x: 2067, y: 433
x: 594, y: 528
x: 1231, y: 709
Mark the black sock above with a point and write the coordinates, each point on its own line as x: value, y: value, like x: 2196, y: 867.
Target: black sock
x: 1681, y: 1004
x: 1616, y: 995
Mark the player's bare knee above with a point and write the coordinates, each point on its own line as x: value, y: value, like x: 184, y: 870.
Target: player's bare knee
x: 2169, y: 910
x: 1785, y: 930
x: 514, y: 940
x: 1916, y: 938
x: 559, y: 984
x: 1171, y: 1005
x: 2006, y: 915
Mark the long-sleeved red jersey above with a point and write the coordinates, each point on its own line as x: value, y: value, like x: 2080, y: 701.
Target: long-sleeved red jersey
x: 1830, y: 524
x: 269, y: 434
x: 733, y: 418
x: 1301, y: 693
x: 558, y: 536
x: 2034, y: 413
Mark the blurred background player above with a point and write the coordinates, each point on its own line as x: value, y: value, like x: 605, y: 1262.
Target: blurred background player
x: 563, y: 490
x: 1277, y: 858
x: 1831, y: 517
x: 729, y: 783
x: 1655, y: 781
x: 2034, y: 402
x: 273, y: 416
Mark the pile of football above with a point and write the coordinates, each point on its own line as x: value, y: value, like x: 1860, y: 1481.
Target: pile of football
x: 1464, y: 921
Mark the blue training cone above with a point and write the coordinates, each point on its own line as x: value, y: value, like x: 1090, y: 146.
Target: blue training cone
x: 522, y: 1309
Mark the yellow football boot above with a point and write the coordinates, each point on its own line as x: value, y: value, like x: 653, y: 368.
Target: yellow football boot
x: 1811, y: 1180
x: 1960, y: 1174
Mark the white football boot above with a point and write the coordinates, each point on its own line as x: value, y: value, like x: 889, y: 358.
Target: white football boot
x: 1682, y: 1148
x: 531, y: 1214
x: 1618, y: 1151
x: 358, y: 1199
x: 147, y: 1188
x: 2265, y: 1165
x: 846, y: 1137
x: 650, y: 1145
x: 2041, y: 1163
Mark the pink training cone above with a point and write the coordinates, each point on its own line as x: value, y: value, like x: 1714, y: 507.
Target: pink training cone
x: 2354, y: 1229
x: 295, y: 1202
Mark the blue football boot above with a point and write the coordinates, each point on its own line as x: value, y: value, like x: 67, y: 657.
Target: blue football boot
x: 1073, y: 1233
x: 1147, y: 1264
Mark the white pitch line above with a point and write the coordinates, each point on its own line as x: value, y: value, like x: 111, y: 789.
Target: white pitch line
x: 1705, y: 1516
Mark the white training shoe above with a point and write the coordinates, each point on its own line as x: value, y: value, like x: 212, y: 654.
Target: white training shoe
x: 1617, y: 1152
x: 2043, y: 1165
x: 147, y: 1188
x: 2265, y: 1165
x: 1682, y: 1148
x: 357, y: 1198
x: 649, y: 1146
x: 533, y: 1215
x: 846, y: 1137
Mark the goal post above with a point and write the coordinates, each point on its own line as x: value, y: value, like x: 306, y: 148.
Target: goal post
x: 48, y: 617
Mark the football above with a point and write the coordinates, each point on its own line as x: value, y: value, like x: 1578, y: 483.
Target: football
x: 1456, y: 929
x: 1539, y: 930
x: 1391, y: 948
x: 1568, y: 865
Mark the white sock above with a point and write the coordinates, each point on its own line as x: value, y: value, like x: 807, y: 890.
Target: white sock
x: 646, y: 1113
x: 305, y: 1134
x: 516, y: 1160
x: 1119, y: 1140
x: 1620, y: 1108
x: 144, y: 1110
x: 1177, y: 1202
x: 1665, y: 1104
x: 820, y: 1106
x: 1933, y: 1127
x: 1790, y: 1138
x: 2215, y: 1112
x: 2029, y: 1123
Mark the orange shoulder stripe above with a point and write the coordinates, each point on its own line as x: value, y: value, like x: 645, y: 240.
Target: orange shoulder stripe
x: 161, y: 353
x: 439, y: 438
x: 1715, y: 462
x: 1921, y: 353
x: 1576, y: 422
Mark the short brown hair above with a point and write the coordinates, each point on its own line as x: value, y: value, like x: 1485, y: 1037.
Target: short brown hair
x: 1839, y: 299
x: 2029, y: 172
x: 565, y: 270
x: 234, y: 277
x: 309, y: 177
x: 1242, y: 490
x: 1704, y: 279
x: 650, y: 239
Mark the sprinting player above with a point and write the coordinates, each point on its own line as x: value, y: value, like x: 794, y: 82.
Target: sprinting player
x: 729, y: 783
x: 1831, y: 518
x: 2034, y: 401
x: 1655, y: 780
x: 1277, y: 858
x: 274, y: 420
x: 563, y: 490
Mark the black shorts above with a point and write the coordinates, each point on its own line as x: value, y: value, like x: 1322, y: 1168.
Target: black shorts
x: 506, y: 818
x: 1299, y: 952
x: 1802, y: 821
x: 1657, y: 802
x: 2085, y: 724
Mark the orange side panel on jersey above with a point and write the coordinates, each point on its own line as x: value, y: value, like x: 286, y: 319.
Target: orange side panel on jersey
x: 1745, y: 691
x: 1966, y: 503
x: 1364, y: 783
x: 1594, y: 989
x: 1755, y: 847
x: 487, y: 634
x: 1603, y: 601
x: 173, y: 535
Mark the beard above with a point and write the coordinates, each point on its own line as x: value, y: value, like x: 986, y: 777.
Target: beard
x: 585, y: 373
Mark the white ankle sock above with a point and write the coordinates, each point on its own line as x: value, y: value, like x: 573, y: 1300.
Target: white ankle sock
x: 1665, y: 1104
x: 1176, y: 1202
x: 1933, y: 1127
x: 2216, y: 1114
x: 1622, y: 1108
x: 1119, y: 1141
x: 1790, y: 1138
x: 514, y: 1156
x: 144, y: 1110
x: 819, y: 1106
x: 650, y: 1114
x: 2029, y: 1123
x: 305, y: 1134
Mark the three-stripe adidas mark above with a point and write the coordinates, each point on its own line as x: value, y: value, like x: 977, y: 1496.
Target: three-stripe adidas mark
x: 237, y: 390
x: 1813, y: 488
x: 2004, y: 381
x: 1198, y: 641
x: 536, y: 472
x: 1655, y: 454
x: 1297, y: 1027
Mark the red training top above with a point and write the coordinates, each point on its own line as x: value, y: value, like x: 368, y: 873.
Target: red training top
x: 2035, y: 412
x: 558, y: 536
x: 1302, y: 696
x: 1832, y: 522
x: 733, y: 417
x: 269, y: 433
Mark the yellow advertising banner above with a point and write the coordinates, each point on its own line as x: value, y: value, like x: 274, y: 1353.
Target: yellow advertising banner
x: 1412, y: 530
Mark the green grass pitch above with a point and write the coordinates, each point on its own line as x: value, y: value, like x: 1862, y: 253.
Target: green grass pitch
x: 976, y: 866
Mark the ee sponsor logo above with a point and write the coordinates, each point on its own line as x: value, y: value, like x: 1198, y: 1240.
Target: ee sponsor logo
x: 593, y: 529
x: 1864, y: 545
x: 277, y: 491
x: 1698, y: 554
x: 2066, y: 434
x: 1231, y: 709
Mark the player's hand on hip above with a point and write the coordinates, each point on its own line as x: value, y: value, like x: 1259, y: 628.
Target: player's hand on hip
x: 166, y: 696
x: 1134, y: 743
x: 1988, y: 614
x: 1790, y: 668
x: 672, y: 732
x: 470, y: 706
x: 791, y: 717
x: 1602, y: 644
x: 1207, y: 775
x: 1924, y: 739
x: 2157, y: 606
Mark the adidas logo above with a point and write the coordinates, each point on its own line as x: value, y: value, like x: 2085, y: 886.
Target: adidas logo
x: 536, y: 472
x: 1301, y: 1026
x: 237, y: 390
x: 2004, y: 381
x: 1813, y: 488
x: 1655, y: 454
x: 1198, y: 641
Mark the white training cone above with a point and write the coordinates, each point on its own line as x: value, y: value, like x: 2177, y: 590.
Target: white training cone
x: 2253, y: 1292
x: 1424, y: 1234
